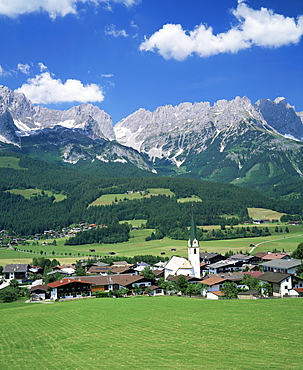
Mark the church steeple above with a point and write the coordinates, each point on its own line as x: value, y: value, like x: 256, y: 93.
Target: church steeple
x: 193, y: 248
x: 192, y: 241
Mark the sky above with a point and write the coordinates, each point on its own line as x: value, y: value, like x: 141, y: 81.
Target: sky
x: 122, y: 55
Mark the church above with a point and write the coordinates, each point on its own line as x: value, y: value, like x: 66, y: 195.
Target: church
x: 189, y: 266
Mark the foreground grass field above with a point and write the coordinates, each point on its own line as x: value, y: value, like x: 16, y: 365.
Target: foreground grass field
x: 152, y: 333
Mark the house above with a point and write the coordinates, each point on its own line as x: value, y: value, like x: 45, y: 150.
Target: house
x: 156, y: 291
x: 16, y: 271
x: 274, y: 256
x: 65, y: 269
x: 210, y: 258
x: 39, y: 292
x: 214, y: 285
x: 281, y: 283
x: 250, y: 294
x: 69, y: 288
x: 116, y: 282
x: 224, y: 266
x: 244, y: 258
x: 122, y: 264
x: 281, y: 265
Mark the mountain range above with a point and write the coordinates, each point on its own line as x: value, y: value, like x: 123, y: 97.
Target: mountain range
x: 254, y: 145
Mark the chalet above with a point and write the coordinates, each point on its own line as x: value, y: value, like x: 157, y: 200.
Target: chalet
x: 260, y: 220
x: 69, y: 288
x: 156, y: 291
x: 224, y: 266
x: 281, y: 265
x: 214, y: 285
x: 210, y: 258
x: 273, y: 256
x: 39, y: 292
x: 281, y: 283
x: 116, y: 282
x: 245, y: 258
x: 16, y: 271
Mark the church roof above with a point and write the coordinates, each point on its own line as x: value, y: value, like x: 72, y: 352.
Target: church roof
x: 192, y: 235
x: 176, y: 263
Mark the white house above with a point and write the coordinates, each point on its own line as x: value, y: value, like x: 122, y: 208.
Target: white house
x: 281, y: 265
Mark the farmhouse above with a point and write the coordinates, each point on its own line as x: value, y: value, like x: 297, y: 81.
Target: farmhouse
x: 69, y: 288
x: 281, y: 265
x: 16, y: 271
x: 281, y: 283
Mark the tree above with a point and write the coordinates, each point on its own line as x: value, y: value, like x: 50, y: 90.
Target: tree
x: 148, y: 273
x: 182, y: 283
x: 229, y: 289
x: 137, y: 289
x: 9, y: 294
x: 14, y: 283
x: 298, y: 253
x: 251, y: 282
x: 299, y: 270
x: 267, y: 289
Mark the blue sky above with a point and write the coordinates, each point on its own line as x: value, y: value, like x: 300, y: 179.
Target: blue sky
x: 123, y: 55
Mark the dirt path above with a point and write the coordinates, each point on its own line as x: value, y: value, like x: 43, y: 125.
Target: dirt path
x: 274, y: 240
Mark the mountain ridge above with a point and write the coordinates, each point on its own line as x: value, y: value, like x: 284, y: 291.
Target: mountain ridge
x: 256, y: 145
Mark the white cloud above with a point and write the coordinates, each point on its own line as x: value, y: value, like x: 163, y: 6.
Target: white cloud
x: 113, y: 31
x: 255, y: 27
x: 14, y: 8
x: 42, y: 67
x: 24, y: 68
x: 3, y: 72
x: 108, y: 75
x: 44, y: 89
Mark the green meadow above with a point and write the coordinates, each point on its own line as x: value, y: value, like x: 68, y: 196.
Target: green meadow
x: 107, y: 199
x: 138, y: 246
x: 10, y: 162
x: 152, y: 333
x: 30, y: 193
x: 262, y: 213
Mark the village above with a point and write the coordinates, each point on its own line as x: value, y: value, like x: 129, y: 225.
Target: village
x: 201, y: 274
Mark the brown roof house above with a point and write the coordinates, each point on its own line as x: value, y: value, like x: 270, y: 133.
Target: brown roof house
x: 214, y: 285
x: 68, y: 288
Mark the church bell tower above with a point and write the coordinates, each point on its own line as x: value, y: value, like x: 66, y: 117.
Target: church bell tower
x: 194, y: 249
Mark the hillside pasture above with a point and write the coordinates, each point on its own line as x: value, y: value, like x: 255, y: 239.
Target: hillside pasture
x: 262, y: 213
x: 10, y: 162
x: 107, y: 199
x: 152, y: 333
x: 193, y: 198
x: 31, y: 193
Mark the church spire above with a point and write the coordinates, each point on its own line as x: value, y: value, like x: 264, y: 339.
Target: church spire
x: 192, y: 242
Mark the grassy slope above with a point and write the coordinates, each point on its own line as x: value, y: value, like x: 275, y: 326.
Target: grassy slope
x: 138, y: 246
x: 29, y: 193
x: 262, y: 213
x: 152, y: 333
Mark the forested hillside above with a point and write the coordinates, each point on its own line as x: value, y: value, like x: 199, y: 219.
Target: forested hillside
x: 220, y: 202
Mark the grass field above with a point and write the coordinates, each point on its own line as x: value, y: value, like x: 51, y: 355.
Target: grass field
x: 10, y: 162
x: 107, y: 199
x: 29, y: 193
x: 262, y: 213
x: 152, y: 333
x: 193, y: 198
x: 138, y: 246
